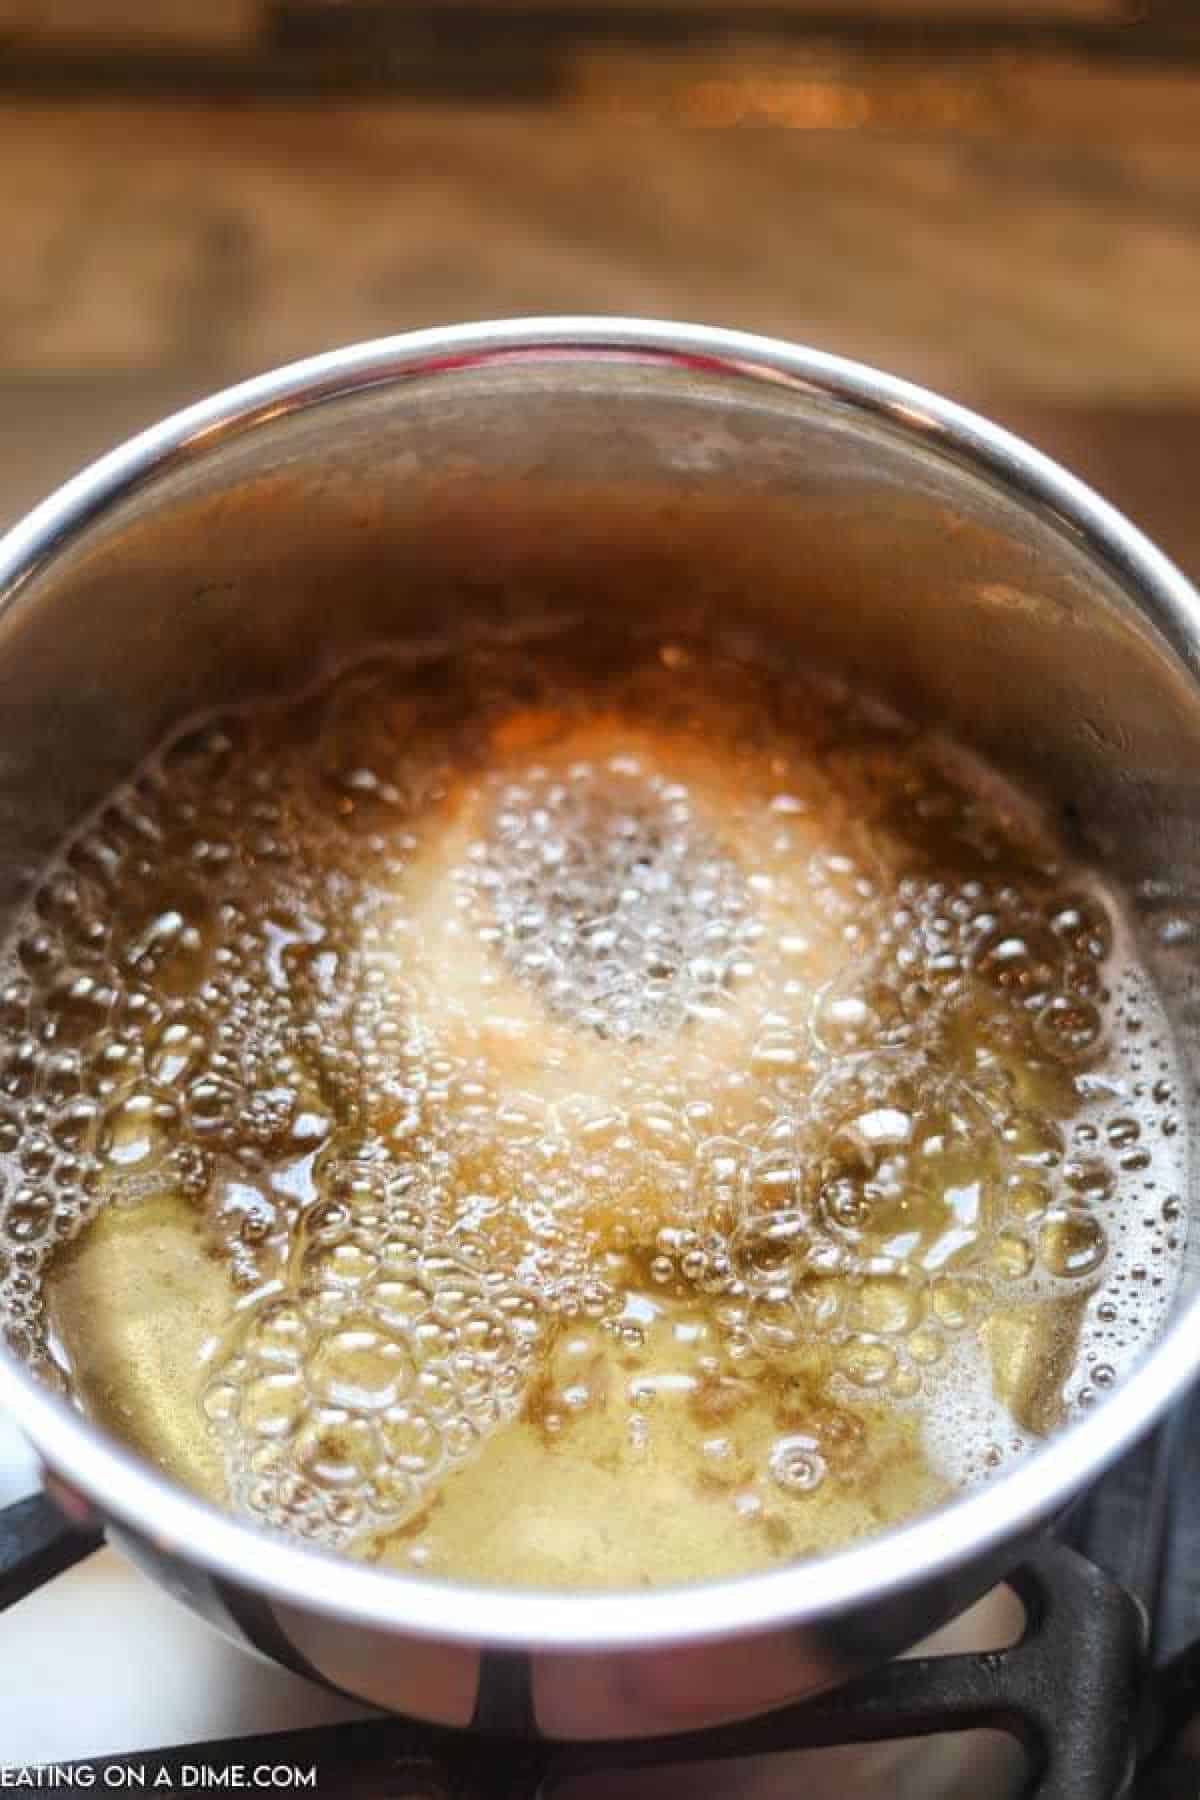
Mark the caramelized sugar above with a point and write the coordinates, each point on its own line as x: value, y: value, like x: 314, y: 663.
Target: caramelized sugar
x: 579, y: 1116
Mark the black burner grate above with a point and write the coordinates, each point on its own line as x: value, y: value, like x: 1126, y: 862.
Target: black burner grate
x: 1098, y: 1691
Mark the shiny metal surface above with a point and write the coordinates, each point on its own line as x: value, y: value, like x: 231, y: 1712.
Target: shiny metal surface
x: 505, y: 473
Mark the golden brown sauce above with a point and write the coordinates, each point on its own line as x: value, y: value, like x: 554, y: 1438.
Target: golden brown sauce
x: 579, y: 1116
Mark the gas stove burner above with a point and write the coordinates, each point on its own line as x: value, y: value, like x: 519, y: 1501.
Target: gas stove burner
x: 1097, y: 1690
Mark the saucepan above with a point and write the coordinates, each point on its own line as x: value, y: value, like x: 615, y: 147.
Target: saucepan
x: 507, y: 474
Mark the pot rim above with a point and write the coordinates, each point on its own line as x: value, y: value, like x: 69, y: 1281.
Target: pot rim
x: 181, y: 1524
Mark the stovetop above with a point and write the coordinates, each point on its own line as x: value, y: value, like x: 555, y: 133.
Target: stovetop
x: 1080, y: 1680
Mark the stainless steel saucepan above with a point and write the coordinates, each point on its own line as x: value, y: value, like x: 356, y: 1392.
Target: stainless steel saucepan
x: 510, y: 472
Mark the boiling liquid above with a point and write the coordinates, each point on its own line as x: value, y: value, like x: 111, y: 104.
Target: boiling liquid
x: 579, y: 1118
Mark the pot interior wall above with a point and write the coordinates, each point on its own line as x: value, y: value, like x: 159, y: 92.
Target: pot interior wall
x: 493, y: 500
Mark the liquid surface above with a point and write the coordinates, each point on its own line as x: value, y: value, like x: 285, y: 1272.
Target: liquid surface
x: 579, y: 1117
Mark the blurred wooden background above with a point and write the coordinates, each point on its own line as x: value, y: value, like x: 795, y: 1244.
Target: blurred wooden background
x: 1000, y: 199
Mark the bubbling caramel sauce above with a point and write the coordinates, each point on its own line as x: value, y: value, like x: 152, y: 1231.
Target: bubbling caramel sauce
x: 579, y: 1114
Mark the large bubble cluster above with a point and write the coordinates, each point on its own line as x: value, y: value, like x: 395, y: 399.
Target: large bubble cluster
x: 697, y: 1014
x: 608, y: 898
